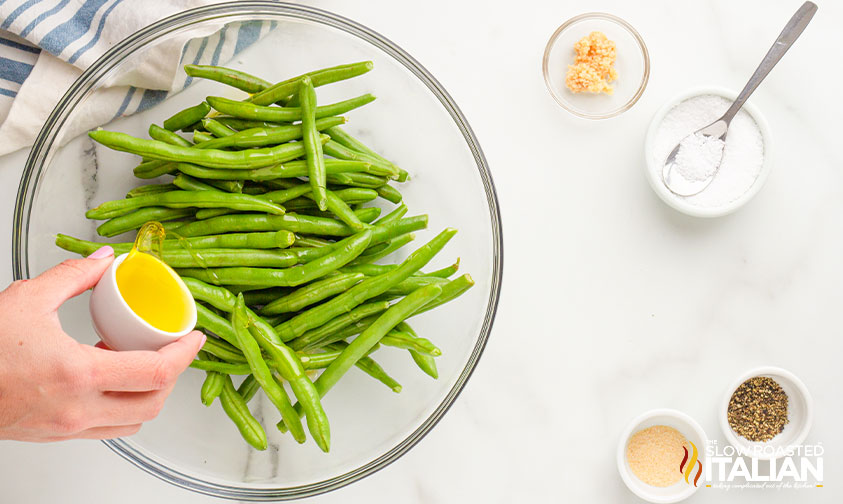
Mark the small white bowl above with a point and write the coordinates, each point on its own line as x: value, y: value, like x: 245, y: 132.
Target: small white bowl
x: 119, y: 327
x: 653, y: 168
x: 800, y: 411
x: 671, y: 418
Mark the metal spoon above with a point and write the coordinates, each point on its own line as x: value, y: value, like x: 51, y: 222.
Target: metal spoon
x: 672, y: 178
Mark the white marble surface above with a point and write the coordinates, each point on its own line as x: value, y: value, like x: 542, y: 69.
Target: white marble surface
x: 613, y: 303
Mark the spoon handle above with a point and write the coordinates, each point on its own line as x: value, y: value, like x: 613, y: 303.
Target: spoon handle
x: 786, y: 39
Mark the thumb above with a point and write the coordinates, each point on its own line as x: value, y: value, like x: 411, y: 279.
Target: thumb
x: 70, y: 278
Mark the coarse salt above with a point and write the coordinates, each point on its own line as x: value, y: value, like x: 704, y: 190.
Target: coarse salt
x: 742, y: 157
x: 698, y: 156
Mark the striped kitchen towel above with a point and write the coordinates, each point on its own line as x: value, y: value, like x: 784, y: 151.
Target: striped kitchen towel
x: 46, y: 44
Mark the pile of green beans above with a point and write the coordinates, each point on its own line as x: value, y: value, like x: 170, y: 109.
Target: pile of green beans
x: 264, y: 204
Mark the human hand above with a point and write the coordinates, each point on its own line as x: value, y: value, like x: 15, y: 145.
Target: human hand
x: 52, y: 387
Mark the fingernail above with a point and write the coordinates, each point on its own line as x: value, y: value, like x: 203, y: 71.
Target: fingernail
x: 204, y: 339
x: 102, y: 253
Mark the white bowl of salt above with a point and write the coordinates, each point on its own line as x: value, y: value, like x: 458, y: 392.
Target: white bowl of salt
x: 746, y: 158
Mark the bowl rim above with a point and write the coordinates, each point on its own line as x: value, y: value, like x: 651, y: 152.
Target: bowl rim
x: 626, y: 474
x: 41, y: 146
x: 645, y: 53
x: 675, y: 201
x: 741, y: 444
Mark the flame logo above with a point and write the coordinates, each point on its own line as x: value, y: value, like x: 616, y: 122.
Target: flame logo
x: 686, y: 467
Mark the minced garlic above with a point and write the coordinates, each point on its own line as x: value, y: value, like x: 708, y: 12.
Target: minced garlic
x: 593, y: 67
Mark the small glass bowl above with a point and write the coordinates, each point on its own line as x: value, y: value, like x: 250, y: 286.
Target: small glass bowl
x: 633, y: 66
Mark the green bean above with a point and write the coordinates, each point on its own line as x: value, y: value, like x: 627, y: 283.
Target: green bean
x: 292, y: 194
x: 349, y: 196
x: 237, y: 409
x: 366, y: 289
x: 187, y: 117
x: 369, y: 269
x: 312, y: 293
x: 310, y: 241
x: 245, y: 110
x: 451, y: 290
x: 394, y: 244
x: 184, y: 199
x: 228, y: 257
x: 262, y: 222
x: 413, y: 283
x: 226, y: 368
x: 248, y: 388
x: 200, y: 137
x: 424, y: 361
x: 365, y: 214
x: 288, y: 364
x: 234, y: 78
x: 260, y: 137
x: 212, y: 158
x: 407, y: 341
x: 313, y: 337
x: 150, y: 189
x: 361, y: 345
x: 366, y: 180
x: 158, y: 133
x: 263, y: 296
x: 446, y: 271
x: 339, y: 151
x: 208, y: 320
x: 341, y: 253
x: 212, y: 386
x: 274, y: 320
x: 393, y: 215
x: 223, y: 350
x: 284, y: 89
x: 370, y: 367
x: 232, y: 186
x: 268, y: 240
x: 368, y: 338
x: 389, y: 193
x: 380, y: 234
x: 287, y: 170
x: 243, y: 124
x: 217, y: 129
x: 291, y: 369
x: 254, y: 188
x: 138, y: 218
x: 343, y: 138
x: 188, y: 183
x: 276, y: 394
x: 312, y: 146
x: 153, y: 169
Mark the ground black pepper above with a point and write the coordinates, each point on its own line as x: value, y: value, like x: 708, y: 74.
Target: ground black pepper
x: 758, y: 409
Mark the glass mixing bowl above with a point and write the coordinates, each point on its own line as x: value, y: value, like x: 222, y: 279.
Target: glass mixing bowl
x: 414, y: 122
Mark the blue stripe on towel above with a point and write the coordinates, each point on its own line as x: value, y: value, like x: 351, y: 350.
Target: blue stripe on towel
x: 6, y: 92
x: 197, y: 58
x: 247, y: 35
x: 17, y: 45
x: 14, y: 71
x: 17, y: 12
x: 126, y: 100
x: 96, y: 38
x: 150, y: 98
x: 41, y: 17
x: 215, y: 58
x: 71, y: 30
